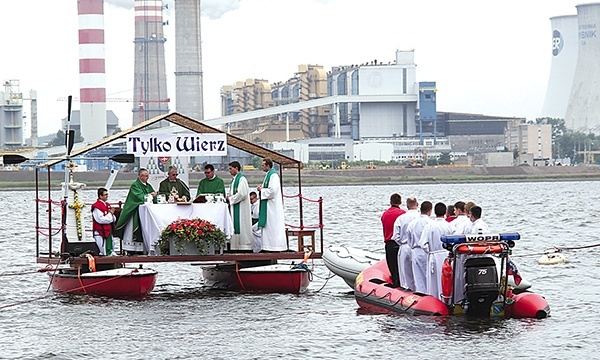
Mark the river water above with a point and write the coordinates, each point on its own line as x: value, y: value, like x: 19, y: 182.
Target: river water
x: 181, y: 320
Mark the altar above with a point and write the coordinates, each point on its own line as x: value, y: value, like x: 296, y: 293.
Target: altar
x: 155, y: 217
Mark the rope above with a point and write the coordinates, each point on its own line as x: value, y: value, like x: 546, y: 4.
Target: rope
x: 305, y: 226
x: 237, y: 272
x: 326, y: 280
x: 302, y: 197
x: 578, y: 247
x: 64, y: 292
x: 556, y: 250
x: 58, y: 230
x: 57, y: 203
x: 47, y: 268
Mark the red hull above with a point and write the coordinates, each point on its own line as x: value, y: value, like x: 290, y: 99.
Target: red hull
x: 372, y: 294
x: 123, y: 282
x: 268, y: 279
x: 528, y: 305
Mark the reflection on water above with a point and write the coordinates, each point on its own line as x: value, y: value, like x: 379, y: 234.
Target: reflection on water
x: 180, y: 319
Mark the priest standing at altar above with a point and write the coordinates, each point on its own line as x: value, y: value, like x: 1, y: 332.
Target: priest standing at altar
x: 239, y: 206
x: 271, y: 210
x: 174, y: 185
x: 128, y: 226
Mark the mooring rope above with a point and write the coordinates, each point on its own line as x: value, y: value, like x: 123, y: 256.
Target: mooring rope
x: 65, y: 291
x: 555, y: 249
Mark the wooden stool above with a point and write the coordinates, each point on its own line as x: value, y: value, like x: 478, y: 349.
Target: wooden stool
x: 301, y: 234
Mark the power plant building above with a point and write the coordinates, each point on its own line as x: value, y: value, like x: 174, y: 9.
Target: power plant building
x: 583, y: 110
x: 564, y: 61
x: 11, y: 116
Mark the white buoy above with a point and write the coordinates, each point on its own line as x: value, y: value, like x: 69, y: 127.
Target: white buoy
x: 552, y: 259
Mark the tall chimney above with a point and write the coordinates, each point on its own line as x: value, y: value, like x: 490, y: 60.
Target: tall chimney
x: 92, y: 82
x: 188, y: 59
x: 150, y: 81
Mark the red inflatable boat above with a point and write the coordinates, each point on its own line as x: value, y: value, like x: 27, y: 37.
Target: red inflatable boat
x: 485, y: 273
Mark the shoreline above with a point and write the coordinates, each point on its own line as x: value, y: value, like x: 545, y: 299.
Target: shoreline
x: 25, y: 180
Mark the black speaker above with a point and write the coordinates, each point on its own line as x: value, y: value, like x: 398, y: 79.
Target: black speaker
x: 79, y: 247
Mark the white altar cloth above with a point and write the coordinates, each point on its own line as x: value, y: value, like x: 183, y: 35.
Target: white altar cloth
x: 155, y: 217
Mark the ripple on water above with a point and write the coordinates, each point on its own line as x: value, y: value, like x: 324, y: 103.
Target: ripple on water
x: 182, y: 320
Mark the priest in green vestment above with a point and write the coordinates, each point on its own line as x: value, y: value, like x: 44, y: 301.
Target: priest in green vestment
x: 173, y: 185
x: 128, y: 226
x: 270, y: 218
x: 239, y: 206
x: 211, y: 184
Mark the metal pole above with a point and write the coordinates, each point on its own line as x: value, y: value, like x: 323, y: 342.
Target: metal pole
x: 37, y: 215
x: 300, y: 199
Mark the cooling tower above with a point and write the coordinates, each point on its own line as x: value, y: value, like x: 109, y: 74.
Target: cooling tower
x: 188, y: 59
x: 92, y: 91
x: 150, y: 79
x: 562, y: 70
x: 583, y: 111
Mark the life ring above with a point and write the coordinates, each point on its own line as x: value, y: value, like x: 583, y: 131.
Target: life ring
x: 479, y: 248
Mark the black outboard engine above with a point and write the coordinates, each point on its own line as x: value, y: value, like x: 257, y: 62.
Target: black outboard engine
x: 481, y: 277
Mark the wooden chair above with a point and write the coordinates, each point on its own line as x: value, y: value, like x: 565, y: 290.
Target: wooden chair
x: 300, y: 234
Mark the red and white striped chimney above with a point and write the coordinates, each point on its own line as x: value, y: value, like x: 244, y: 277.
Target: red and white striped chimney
x: 92, y: 80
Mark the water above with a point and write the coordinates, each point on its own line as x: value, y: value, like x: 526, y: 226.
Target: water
x: 180, y: 320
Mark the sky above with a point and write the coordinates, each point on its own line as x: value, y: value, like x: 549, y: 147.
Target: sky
x: 487, y: 57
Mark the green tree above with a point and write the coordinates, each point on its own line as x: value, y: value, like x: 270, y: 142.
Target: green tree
x: 445, y: 159
x: 60, y: 138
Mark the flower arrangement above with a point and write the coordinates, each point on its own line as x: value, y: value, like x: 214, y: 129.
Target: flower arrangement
x: 77, y: 206
x: 198, y: 231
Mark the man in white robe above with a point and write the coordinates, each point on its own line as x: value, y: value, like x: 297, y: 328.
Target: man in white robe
x: 419, y: 256
x: 436, y: 254
x: 271, y: 210
x: 401, y: 237
x: 479, y: 226
x: 239, y: 207
x: 462, y: 223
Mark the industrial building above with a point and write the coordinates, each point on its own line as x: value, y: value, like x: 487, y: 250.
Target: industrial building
x: 112, y: 123
x: 564, y: 61
x: 573, y: 93
x: 374, y: 105
x: 11, y: 115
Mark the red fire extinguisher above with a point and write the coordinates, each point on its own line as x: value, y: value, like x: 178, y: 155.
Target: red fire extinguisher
x: 447, y: 280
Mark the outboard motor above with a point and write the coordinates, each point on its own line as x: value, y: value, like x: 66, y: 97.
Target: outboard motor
x: 482, y: 285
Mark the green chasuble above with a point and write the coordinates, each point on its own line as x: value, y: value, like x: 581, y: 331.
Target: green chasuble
x: 236, y: 207
x: 211, y: 186
x: 262, y: 214
x: 135, y: 198
x: 167, y: 185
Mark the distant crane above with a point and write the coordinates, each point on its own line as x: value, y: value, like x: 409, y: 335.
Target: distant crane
x: 120, y: 99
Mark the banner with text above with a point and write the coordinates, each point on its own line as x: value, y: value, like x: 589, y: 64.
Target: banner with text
x: 177, y: 144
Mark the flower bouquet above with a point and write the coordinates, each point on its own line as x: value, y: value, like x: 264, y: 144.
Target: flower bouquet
x: 198, y: 232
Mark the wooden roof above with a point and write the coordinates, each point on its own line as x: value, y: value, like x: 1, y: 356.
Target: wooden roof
x: 197, y: 127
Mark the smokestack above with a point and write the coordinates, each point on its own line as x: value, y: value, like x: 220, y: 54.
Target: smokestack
x: 92, y: 82
x: 150, y: 80
x: 562, y: 70
x: 584, y: 102
x: 188, y: 59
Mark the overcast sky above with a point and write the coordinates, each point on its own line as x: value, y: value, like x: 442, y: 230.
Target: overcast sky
x: 489, y: 57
